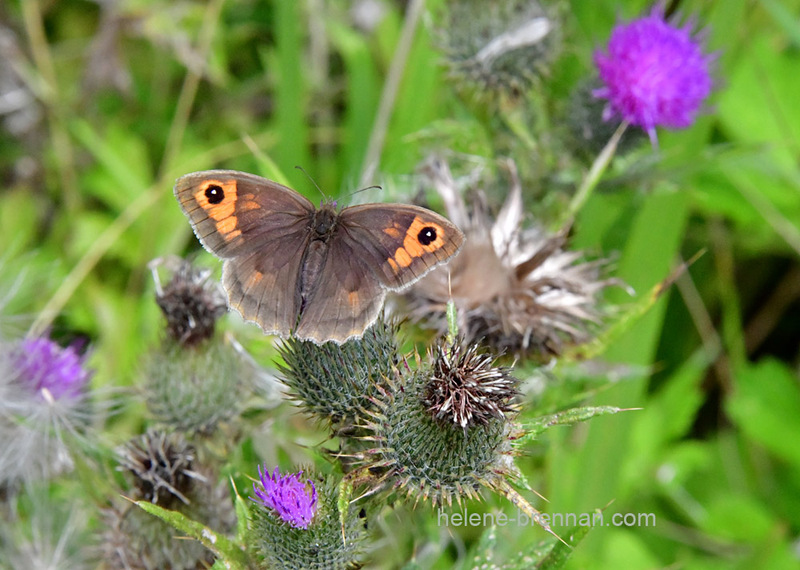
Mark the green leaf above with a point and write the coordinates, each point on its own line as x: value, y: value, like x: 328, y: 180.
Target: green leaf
x: 242, y: 514
x: 560, y: 552
x: 343, y: 502
x: 758, y: 105
x: 567, y: 417
x: 231, y: 553
x: 765, y: 404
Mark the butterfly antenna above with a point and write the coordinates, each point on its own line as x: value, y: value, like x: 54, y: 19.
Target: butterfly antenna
x: 314, y: 182
x: 374, y: 186
x: 326, y: 198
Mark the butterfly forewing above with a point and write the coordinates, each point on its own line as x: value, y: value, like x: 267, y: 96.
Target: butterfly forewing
x: 401, y: 242
x: 234, y: 213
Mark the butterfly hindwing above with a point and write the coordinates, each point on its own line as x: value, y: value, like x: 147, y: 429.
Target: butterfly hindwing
x: 346, y: 299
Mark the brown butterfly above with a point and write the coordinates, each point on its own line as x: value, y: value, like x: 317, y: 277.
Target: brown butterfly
x: 317, y: 274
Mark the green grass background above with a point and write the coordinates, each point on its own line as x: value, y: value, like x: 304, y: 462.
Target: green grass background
x: 714, y: 451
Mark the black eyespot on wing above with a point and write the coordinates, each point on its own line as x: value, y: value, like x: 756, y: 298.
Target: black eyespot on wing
x: 427, y: 235
x: 215, y: 194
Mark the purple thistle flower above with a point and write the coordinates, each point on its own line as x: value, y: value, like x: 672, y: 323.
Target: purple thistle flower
x: 44, y: 365
x: 655, y: 74
x: 288, y: 496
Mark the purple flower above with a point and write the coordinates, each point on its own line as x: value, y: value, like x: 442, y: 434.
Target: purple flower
x: 43, y: 364
x: 288, y: 496
x: 655, y: 74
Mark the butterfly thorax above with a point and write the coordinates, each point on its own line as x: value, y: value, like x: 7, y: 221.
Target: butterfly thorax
x: 323, y: 224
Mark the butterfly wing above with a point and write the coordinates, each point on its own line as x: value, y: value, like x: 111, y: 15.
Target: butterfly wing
x: 399, y: 242
x: 260, y: 229
x: 346, y: 299
x: 376, y: 247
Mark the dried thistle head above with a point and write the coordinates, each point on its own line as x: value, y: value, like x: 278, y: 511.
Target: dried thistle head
x: 465, y: 386
x: 190, y: 302
x: 518, y: 289
x: 160, y: 466
x: 163, y: 468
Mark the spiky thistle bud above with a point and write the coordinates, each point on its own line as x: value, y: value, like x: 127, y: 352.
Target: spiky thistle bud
x: 495, y: 49
x: 589, y: 126
x: 297, y: 524
x: 162, y: 468
x: 333, y: 382
x: 432, y: 452
x: 193, y: 390
x: 466, y: 388
x: 190, y: 302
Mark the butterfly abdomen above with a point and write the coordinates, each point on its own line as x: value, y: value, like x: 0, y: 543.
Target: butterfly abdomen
x: 322, y: 227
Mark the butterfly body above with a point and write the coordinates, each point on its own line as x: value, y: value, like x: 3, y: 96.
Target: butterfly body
x: 317, y: 273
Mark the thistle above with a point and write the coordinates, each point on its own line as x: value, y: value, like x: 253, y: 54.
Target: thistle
x: 45, y: 530
x: 444, y: 431
x: 334, y: 382
x: 466, y: 388
x: 518, y: 290
x: 163, y: 469
x: 190, y: 302
x: 289, y: 497
x: 194, y: 391
x: 654, y: 73
x: 193, y: 382
x: 589, y: 125
x: 44, y: 391
x: 497, y: 49
x: 297, y: 524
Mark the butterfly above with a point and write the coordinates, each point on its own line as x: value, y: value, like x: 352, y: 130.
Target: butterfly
x: 318, y: 274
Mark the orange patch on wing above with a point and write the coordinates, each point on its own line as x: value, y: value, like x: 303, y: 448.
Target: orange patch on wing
x: 414, y: 246
x: 254, y: 279
x: 226, y: 207
x: 352, y: 298
x: 248, y: 205
x: 394, y: 265
x: 393, y: 232
x: 402, y: 258
x: 227, y: 227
